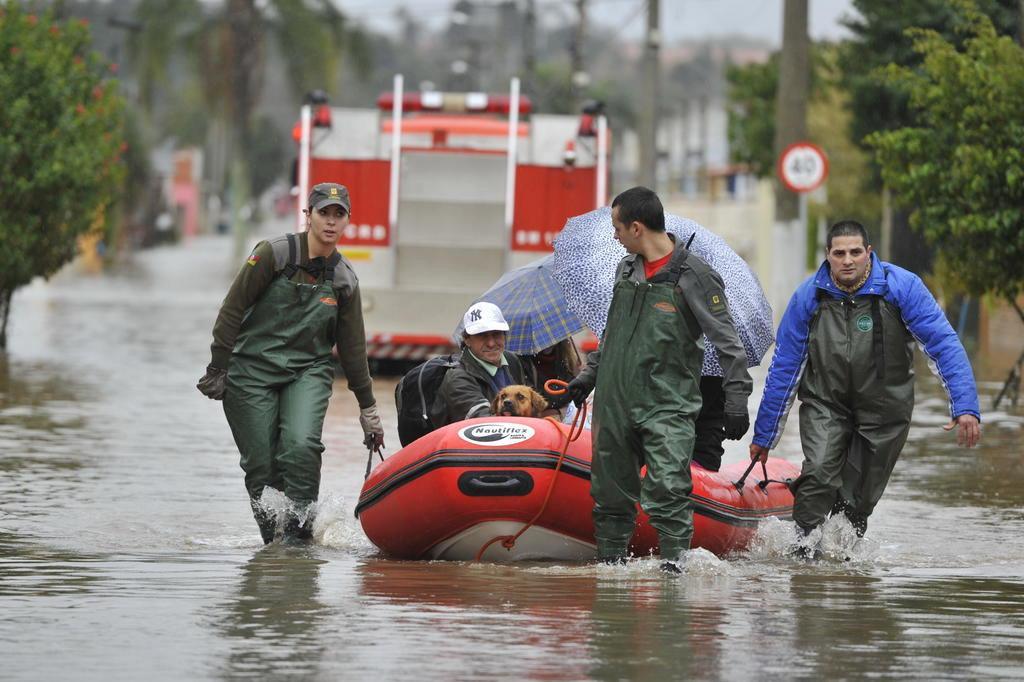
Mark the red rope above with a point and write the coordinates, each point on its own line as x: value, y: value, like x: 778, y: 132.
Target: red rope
x: 553, y: 387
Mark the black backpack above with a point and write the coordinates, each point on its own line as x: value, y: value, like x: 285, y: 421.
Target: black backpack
x: 415, y: 395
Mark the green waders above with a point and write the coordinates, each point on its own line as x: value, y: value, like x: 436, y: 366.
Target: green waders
x: 857, y: 395
x: 279, y: 384
x: 648, y: 399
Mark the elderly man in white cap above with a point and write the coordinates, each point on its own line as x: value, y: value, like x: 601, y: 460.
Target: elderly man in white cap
x: 484, y: 368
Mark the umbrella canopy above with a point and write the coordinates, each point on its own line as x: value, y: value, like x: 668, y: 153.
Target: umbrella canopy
x: 534, y: 306
x: 586, y: 255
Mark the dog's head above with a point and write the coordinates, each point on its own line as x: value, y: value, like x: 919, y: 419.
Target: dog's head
x: 518, y: 401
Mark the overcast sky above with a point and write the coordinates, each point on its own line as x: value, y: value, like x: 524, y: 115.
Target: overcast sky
x: 680, y: 19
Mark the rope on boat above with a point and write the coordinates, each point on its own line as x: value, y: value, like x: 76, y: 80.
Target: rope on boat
x: 553, y: 387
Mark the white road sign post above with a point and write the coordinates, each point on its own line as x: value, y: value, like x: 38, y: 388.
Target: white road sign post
x: 802, y: 168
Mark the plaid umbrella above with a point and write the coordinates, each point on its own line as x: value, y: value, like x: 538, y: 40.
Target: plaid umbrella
x: 534, y: 306
x: 586, y: 255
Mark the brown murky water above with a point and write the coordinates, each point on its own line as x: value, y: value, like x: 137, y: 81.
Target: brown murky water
x: 127, y: 550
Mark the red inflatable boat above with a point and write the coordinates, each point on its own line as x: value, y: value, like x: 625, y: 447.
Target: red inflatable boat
x: 448, y: 494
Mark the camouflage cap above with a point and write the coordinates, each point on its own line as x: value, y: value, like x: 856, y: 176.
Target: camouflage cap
x: 328, y: 193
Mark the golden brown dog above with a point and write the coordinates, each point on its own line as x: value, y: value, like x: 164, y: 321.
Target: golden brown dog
x: 518, y: 401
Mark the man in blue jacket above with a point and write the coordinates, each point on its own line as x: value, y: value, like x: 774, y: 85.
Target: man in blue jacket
x: 845, y: 348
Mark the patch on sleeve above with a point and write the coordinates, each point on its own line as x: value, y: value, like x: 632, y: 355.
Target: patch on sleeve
x: 253, y: 259
x: 716, y: 301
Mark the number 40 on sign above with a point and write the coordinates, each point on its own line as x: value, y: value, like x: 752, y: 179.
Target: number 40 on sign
x: 803, y: 167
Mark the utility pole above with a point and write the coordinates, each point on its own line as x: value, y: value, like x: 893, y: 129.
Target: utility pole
x: 578, y: 72
x: 789, y: 232
x: 647, y: 172
x: 530, y: 45
x: 1020, y: 22
x: 791, y: 101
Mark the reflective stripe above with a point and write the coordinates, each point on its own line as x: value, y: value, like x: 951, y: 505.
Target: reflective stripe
x: 476, y: 409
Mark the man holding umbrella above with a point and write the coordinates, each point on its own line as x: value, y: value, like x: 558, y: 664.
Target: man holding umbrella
x: 647, y: 371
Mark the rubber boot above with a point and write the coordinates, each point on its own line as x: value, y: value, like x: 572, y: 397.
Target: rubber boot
x: 612, y: 553
x: 858, y: 520
x: 803, y: 549
x: 677, y: 567
x: 297, y: 532
x: 673, y: 553
x: 265, y: 519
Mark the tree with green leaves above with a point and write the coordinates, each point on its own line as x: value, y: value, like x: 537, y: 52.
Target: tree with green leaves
x: 226, y: 46
x: 880, y: 38
x: 60, y: 146
x: 960, y: 165
x: 751, y: 126
x: 879, y: 29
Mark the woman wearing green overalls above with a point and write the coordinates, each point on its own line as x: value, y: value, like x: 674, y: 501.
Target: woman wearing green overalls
x: 293, y: 300
x: 647, y: 372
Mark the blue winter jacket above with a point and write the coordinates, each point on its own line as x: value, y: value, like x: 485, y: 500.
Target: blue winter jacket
x: 921, y: 315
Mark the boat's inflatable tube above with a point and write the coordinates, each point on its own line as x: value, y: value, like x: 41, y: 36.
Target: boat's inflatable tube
x: 447, y: 494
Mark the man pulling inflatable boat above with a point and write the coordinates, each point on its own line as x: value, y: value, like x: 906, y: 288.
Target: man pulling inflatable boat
x: 845, y: 348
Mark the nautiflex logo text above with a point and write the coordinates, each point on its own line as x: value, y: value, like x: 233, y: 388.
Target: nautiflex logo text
x: 494, y: 433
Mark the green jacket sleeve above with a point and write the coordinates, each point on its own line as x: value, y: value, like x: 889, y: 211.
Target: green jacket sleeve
x: 251, y: 281
x: 462, y: 395
x: 350, y: 335
x: 704, y: 292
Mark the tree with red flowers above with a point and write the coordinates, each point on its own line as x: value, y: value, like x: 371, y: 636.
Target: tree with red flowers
x: 60, y: 146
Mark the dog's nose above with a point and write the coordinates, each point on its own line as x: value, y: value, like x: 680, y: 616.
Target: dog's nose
x: 507, y: 406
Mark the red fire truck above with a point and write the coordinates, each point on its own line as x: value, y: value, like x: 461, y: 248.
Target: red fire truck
x: 449, y: 191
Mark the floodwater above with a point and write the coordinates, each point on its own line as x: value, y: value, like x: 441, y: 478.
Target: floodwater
x: 127, y: 549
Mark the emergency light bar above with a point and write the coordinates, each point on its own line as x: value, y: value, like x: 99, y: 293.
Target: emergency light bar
x: 460, y: 102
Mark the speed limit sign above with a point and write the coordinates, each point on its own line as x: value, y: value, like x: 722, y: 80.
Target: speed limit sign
x: 803, y: 166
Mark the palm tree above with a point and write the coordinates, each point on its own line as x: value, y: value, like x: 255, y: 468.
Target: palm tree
x: 226, y: 46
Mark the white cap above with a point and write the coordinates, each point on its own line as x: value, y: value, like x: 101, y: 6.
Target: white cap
x: 484, y: 317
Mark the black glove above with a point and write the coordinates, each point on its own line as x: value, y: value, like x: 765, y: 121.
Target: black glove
x: 578, y: 389
x: 736, y: 425
x: 557, y: 402
x: 213, y: 383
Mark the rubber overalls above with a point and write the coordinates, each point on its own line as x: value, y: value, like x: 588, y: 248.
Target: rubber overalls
x: 279, y: 383
x: 648, y: 398
x: 857, y: 395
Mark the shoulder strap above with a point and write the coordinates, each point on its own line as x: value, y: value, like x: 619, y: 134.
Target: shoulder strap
x: 675, y: 264
x: 627, y: 271
x: 877, y: 337
x: 294, y: 253
x: 287, y: 253
x: 673, y: 270
x: 331, y: 264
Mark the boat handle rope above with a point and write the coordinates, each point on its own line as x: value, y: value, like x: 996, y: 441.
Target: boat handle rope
x: 368, y: 442
x: 552, y: 387
x: 763, y: 484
